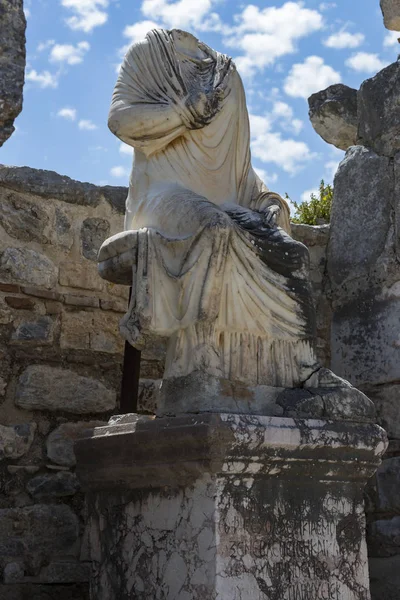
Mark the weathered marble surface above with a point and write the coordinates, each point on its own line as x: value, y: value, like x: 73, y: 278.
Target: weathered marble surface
x: 323, y: 395
x: 379, y: 111
x: 228, y: 507
x: 12, y: 65
x: 333, y: 114
x: 207, y: 248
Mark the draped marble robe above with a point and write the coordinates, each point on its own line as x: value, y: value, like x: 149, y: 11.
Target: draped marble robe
x: 214, y: 274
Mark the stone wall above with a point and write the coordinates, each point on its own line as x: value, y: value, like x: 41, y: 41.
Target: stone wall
x: 363, y: 285
x: 12, y: 64
x: 60, y: 370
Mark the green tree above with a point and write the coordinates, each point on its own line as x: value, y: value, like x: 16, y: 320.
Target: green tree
x: 317, y: 210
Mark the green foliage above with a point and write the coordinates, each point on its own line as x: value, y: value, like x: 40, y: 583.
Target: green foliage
x: 317, y: 210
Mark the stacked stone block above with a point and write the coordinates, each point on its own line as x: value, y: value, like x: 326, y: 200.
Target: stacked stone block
x: 363, y: 284
x: 60, y: 371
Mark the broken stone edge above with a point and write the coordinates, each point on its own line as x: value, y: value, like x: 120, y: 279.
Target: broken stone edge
x: 173, y: 452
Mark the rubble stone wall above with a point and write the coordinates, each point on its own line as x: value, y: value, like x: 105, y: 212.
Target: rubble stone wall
x: 60, y: 371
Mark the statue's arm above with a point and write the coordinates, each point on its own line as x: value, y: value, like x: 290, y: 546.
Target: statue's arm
x: 274, y: 207
x: 150, y: 111
x: 137, y: 123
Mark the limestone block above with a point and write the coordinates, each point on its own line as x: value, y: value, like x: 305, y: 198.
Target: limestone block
x: 391, y: 14
x: 23, y: 219
x: 35, y: 534
x: 62, y: 230
x: 41, y: 387
x: 388, y: 483
x: 333, y: 114
x: 75, y: 330
x: 27, y: 266
x: 105, y: 336
x: 15, y: 441
x: 97, y: 331
x: 387, y: 401
x: 384, y: 537
x: 365, y: 338
x: 385, y: 578
x: 60, y: 443
x: 310, y: 235
x: 12, y: 69
x: 6, y: 315
x: 379, y: 112
x: 323, y: 395
x: 49, y: 184
x: 37, y: 332
x: 117, y: 305
x: 362, y: 178
x: 52, y: 486
x: 397, y: 204
x: 81, y: 274
x: 93, y: 233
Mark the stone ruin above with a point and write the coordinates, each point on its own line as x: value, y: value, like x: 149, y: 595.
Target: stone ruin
x: 12, y: 27
x: 61, y: 353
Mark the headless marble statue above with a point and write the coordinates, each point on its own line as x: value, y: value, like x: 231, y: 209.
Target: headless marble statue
x: 207, y: 247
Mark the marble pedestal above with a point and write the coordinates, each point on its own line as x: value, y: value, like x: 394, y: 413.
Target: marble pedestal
x: 228, y: 507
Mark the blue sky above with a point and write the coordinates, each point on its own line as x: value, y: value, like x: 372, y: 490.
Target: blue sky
x: 284, y: 51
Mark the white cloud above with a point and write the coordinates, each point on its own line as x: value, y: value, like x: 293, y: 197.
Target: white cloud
x: 391, y: 39
x: 87, y: 14
x: 283, y: 113
x: 327, y: 6
x: 45, y: 45
x: 125, y: 149
x: 365, y: 62
x: 306, y: 195
x: 27, y: 14
x: 344, y: 39
x: 281, y: 109
x: 270, y: 147
x: 43, y: 79
x: 267, y: 34
x: 137, y: 31
x: 184, y: 14
x: 310, y: 76
x: 67, y: 113
x: 119, y: 171
x: 86, y: 125
x: 72, y: 55
x: 267, y: 178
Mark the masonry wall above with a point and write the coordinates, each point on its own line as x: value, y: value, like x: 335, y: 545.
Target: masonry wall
x: 363, y: 286
x: 60, y: 371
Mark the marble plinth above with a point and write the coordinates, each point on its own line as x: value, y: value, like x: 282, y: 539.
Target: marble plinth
x: 228, y: 507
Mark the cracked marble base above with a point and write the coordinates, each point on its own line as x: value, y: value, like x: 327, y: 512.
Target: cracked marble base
x: 228, y: 507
